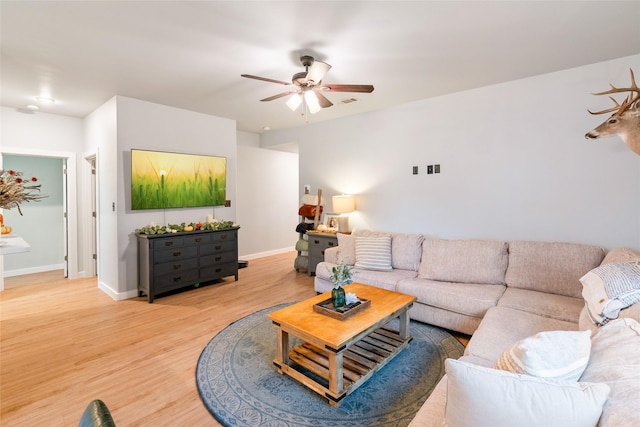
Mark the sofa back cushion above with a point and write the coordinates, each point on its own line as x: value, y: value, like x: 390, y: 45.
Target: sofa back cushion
x: 346, y: 249
x: 464, y: 261
x: 406, y: 249
x: 551, y: 267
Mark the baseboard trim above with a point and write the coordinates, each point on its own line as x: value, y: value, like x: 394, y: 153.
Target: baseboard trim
x: 33, y: 270
x: 118, y: 296
x: 267, y: 253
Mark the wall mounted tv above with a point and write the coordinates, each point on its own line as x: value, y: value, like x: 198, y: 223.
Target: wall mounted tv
x: 172, y: 180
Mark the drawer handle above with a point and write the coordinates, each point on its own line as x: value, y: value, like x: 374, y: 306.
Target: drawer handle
x: 168, y: 243
x: 218, y: 258
x: 331, y: 243
x: 177, y: 279
x: 177, y: 266
x: 177, y: 253
x: 322, y: 252
x: 218, y: 247
x: 224, y: 236
x: 317, y: 242
x: 198, y: 239
x: 218, y: 270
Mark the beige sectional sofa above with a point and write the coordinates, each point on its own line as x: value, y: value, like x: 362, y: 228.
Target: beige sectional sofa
x: 501, y: 293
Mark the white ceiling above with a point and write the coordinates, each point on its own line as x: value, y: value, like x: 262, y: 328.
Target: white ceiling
x: 191, y: 54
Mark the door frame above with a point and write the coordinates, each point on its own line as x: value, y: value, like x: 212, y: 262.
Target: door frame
x: 71, y: 236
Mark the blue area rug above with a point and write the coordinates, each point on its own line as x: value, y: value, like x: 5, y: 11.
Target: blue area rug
x: 240, y: 386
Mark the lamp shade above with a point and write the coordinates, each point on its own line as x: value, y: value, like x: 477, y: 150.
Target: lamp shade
x: 344, y: 203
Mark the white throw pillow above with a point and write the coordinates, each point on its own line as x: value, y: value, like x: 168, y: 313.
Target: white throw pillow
x: 479, y: 396
x: 560, y: 355
x: 373, y: 253
x: 610, y: 288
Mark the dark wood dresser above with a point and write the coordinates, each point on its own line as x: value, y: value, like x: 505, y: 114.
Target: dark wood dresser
x: 167, y: 262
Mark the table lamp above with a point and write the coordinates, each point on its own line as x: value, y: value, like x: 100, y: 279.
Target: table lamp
x: 343, y: 204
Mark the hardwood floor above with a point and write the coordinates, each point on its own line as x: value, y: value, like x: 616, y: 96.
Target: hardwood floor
x: 64, y: 343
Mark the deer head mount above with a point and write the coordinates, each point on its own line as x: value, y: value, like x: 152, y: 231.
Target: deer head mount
x: 625, y: 120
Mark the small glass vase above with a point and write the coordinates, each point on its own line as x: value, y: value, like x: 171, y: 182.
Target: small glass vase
x: 337, y: 297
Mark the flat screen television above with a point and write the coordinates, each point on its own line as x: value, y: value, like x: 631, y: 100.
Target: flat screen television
x: 174, y: 180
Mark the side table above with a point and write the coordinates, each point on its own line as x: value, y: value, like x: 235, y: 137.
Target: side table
x: 318, y: 242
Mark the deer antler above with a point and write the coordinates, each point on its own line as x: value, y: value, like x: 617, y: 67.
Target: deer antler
x: 628, y: 102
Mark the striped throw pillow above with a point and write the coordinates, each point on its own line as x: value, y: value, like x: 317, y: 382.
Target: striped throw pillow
x: 373, y: 253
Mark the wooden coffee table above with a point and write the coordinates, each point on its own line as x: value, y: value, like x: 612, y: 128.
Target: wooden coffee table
x: 338, y: 356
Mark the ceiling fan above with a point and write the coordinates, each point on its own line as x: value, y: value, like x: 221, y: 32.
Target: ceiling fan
x: 310, y: 87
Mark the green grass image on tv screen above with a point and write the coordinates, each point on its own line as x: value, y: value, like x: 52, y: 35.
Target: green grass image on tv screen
x: 171, y: 180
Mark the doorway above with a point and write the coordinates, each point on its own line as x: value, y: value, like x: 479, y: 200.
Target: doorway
x: 51, y: 220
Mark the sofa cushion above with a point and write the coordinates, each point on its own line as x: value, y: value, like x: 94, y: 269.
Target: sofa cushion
x: 503, y: 326
x: 615, y: 361
x: 550, y: 267
x: 380, y: 279
x: 610, y: 288
x: 560, y: 355
x: 621, y: 255
x: 406, y: 251
x: 471, y: 299
x: 373, y: 253
x: 464, y: 261
x: 346, y: 249
x: 499, y: 398
x: 548, y: 305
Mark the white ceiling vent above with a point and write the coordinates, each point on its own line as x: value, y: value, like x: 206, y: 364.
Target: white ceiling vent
x: 349, y: 100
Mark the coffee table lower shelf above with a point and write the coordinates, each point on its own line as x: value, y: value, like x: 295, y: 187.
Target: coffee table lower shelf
x: 312, y: 367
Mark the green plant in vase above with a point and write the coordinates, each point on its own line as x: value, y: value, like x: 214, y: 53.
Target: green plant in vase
x: 340, y: 276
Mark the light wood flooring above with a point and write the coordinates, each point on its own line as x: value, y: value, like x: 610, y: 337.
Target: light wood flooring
x: 64, y: 343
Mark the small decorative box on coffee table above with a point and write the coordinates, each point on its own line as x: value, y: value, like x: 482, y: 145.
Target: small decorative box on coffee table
x: 326, y: 307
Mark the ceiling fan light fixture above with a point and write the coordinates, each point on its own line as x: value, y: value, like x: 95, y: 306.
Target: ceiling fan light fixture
x: 312, y: 101
x: 294, y: 101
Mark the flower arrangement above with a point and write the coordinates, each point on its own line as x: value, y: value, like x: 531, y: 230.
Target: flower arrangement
x: 179, y: 228
x: 14, y: 189
x: 341, y: 275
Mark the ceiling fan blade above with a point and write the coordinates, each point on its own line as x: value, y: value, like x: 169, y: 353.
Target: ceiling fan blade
x: 280, y: 95
x: 348, y: 88
x: 323, y: 100
x: 317, y: 71
x: 264, y: 79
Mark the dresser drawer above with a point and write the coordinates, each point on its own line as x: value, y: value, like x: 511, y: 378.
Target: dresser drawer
x: 175, y: 266
x: 217, y: 247
x: 223, y: 236
x: 217, y: 258
x: 175, y: 254
x: 197, y: 239
x: 176, y: 281
x: 220, y: 270
x: 168, y: 242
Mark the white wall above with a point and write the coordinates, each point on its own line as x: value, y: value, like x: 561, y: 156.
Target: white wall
x: 53, y: 136
x: 268, y: 198
x: 146, y: 125
x: 101, y: 140
x: 515, y: 164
